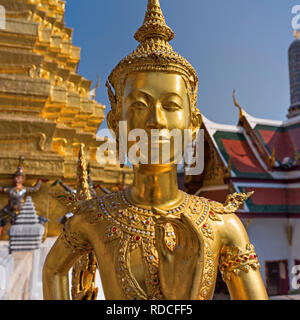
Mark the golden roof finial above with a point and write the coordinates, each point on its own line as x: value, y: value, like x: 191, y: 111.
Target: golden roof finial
x: 272, y: 158
x: 237, y: 105
x: 83, y: 190
x: 296, y: 34
x: 93, y: 91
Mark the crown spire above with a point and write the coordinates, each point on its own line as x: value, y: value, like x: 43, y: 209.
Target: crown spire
x: 20, y: 170
x: 83, y: 191
x: 154, y: 25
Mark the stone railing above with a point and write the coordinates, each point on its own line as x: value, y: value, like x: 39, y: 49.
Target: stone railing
x: 21, y: 272
x: 6, y: 270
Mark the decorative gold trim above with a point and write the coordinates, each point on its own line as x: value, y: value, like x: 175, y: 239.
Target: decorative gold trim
x: 235, y: 260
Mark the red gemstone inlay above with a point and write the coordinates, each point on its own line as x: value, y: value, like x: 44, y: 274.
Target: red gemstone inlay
x: 99, y: 215
x: 148, y: 222
x: 211, y: 213
x: 114, y: 229
x: 204, y: 226
x: 238, y: 260
x: 251, y: 257
x: 245, y: 258
x: 137, y: 238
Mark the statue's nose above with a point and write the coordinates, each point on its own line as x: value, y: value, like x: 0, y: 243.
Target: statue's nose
x: 157, y: 118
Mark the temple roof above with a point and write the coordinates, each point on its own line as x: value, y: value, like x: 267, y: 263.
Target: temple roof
x: 260, y: 155
x: 281, y: 136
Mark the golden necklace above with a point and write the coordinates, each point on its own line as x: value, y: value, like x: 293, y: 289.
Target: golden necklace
x: 134, y: 228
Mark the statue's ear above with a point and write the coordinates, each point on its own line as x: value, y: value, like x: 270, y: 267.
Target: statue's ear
x: 196, y: 122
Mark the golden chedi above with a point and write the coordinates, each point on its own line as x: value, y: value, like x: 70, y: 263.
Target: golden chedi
x: 46, y: 110
x: 151, y: 240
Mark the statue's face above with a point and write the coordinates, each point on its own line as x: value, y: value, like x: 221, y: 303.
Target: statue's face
x: 18, y: 180
x: 156, y: 100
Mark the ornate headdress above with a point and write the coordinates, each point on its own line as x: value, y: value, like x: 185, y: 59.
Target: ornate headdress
x: 20, y: 170
x: 153, y: 54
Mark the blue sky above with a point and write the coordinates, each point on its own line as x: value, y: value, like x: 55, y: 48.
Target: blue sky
x: 231, y: 44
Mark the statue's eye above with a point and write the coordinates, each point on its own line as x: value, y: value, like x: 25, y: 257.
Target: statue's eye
x: 138, y: 105
x: 171, y: 106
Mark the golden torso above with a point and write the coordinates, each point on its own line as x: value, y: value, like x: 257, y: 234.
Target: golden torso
x: 123, y: 239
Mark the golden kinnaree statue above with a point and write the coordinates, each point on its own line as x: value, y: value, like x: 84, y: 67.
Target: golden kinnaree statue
x: 151, y: 240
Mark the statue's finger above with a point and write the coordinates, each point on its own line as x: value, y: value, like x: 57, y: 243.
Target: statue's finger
x: 180, y: 232
x: 171, y: 220
x: 160, y: 240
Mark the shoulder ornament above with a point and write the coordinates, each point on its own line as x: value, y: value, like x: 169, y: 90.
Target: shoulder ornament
x: 233, y: 202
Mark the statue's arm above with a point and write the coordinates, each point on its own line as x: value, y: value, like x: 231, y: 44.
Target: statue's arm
x: 35, y: 188
x: 4, y: 189
x: 239, y: 263
x: 55, y: 272
x: 68, y: 248
x: 67, y: 188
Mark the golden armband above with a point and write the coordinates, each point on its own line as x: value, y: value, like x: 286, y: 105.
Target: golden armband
x: 73, y: 241
x: 235, y: 260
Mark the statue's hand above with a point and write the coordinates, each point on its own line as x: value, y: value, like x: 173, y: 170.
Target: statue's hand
x: 179, y: 268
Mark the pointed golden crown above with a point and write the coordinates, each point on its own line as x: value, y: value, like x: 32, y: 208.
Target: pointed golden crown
x: 20, y: 170
x: 153, y: 54
x: 83, y: 190
x: 154, y: 24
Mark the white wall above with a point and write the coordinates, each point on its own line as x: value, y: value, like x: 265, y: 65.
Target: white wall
x: 269, y: 236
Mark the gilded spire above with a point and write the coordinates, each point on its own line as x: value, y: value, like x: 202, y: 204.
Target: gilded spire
x: 83, y: 191
x: 154, y: 25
